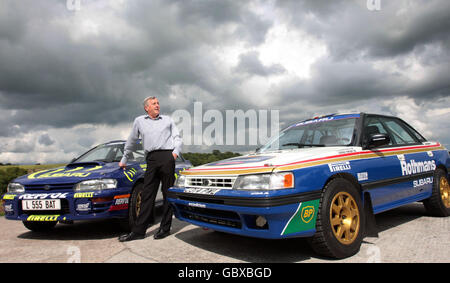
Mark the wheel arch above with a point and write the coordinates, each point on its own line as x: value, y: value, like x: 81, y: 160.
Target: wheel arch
x: 348, y: 177
x: 365, y: 195
x: 441, y: 166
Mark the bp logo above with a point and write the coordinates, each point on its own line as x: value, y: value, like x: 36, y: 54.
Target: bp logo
x: 303, y: 219
x: 307, y: 213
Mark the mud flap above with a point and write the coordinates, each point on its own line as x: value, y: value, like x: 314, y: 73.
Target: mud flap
x: 371, y: 225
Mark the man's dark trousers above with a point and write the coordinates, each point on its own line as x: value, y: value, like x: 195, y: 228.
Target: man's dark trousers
x: 160, y: 168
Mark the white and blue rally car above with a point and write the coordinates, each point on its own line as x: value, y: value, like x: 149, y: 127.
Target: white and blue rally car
x: 92, y: 186
x: 322, y: 178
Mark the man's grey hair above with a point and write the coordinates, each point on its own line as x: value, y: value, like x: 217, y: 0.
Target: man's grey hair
x: 147, y: 99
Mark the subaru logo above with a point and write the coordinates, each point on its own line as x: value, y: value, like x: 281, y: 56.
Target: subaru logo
x: 206, y: 182
x: 47, y: 187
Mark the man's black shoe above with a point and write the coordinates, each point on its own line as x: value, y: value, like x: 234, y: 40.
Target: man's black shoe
x: 131, y: 236
x: 161, y: 234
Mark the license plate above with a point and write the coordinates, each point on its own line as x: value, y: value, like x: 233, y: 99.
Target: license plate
x: 42, y: 204
x: 202, y: 191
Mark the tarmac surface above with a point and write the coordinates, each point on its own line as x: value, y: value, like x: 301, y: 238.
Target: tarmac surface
x: 406, y: 234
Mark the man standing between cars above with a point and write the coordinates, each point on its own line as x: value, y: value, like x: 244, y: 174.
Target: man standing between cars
x: 162, y: 144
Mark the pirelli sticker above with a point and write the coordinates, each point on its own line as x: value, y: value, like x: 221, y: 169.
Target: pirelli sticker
x: 84, y: 195
x: 43, y: 218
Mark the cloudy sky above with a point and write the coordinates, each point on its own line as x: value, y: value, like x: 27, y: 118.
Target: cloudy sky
x: 73, y: 73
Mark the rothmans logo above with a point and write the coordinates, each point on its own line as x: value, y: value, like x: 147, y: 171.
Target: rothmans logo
x: 414, y: 167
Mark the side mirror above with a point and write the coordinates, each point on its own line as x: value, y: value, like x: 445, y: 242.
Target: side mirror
x: 377, y: 140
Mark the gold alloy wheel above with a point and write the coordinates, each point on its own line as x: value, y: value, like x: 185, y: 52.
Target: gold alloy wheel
x: 344, y: 218
x: 138, y: 203
x: 445, y: 191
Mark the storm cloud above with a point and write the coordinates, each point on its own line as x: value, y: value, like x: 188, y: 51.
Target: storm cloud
x: 71, y: 78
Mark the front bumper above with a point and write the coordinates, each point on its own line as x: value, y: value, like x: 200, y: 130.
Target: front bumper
x: 74, y: 206
x: 270, y: 217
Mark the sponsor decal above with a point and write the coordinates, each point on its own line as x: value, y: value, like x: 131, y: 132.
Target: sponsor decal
x: 9, y: 208
x: 43, y: 218
x: 9, y: 197
x: 196, y: 204
x: 201, y: 191
x: 304, y: 218
x: 120, y: 202
x: 130, y: 174
x: 307, y: 213
x: 60, y: 173
x: 325, y: 119
x: 84, y: 207
x: 84, y: 195
x: 414, y: 167
x: 422, y: 182
x: 340, y: 166
x: 44, y: 196
x: 363, y: 176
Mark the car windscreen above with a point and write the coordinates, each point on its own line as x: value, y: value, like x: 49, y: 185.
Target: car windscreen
x: 111, y: 153
x: 320, y: 133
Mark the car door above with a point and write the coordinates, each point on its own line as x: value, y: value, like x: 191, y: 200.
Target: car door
x: 416, y: 165
x: 389, y: 186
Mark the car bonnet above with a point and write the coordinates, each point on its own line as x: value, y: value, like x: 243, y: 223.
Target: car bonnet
x: 71, y: 173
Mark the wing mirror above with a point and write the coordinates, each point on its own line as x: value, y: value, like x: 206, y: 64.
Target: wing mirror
x: 377, y: 140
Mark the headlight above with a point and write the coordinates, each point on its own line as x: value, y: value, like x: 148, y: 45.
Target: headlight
x: 181, y: 181
x: 274, y: 181
x: 15, y: 188
x: 96, y: 184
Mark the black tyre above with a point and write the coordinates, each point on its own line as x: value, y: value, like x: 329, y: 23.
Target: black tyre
x: 439, y: 202
x: 39, y: 226
x: 340, y: 221
x: 134, y: 207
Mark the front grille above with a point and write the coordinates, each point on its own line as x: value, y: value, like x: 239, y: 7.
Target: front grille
x: 211, y: 182
x: 49, y: 187
x: 212, y: 216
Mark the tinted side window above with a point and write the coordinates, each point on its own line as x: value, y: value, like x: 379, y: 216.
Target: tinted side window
x: 398, y: 132
x: 418, y: 136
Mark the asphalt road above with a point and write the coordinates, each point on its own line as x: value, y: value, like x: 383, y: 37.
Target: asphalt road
x: 406, y: 234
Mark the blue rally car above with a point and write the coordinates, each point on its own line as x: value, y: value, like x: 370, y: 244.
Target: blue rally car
x: 92, y: 186
x: 322, y: 178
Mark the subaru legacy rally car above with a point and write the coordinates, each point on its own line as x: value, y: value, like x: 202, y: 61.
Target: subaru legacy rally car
x: 322, y: 178
x: 92, y: 186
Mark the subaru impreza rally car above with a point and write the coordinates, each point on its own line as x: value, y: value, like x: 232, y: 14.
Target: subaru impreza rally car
x: 92, y: 186
x: 322, y: 178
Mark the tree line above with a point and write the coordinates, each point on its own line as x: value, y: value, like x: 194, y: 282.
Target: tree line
x: 202, y: 158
